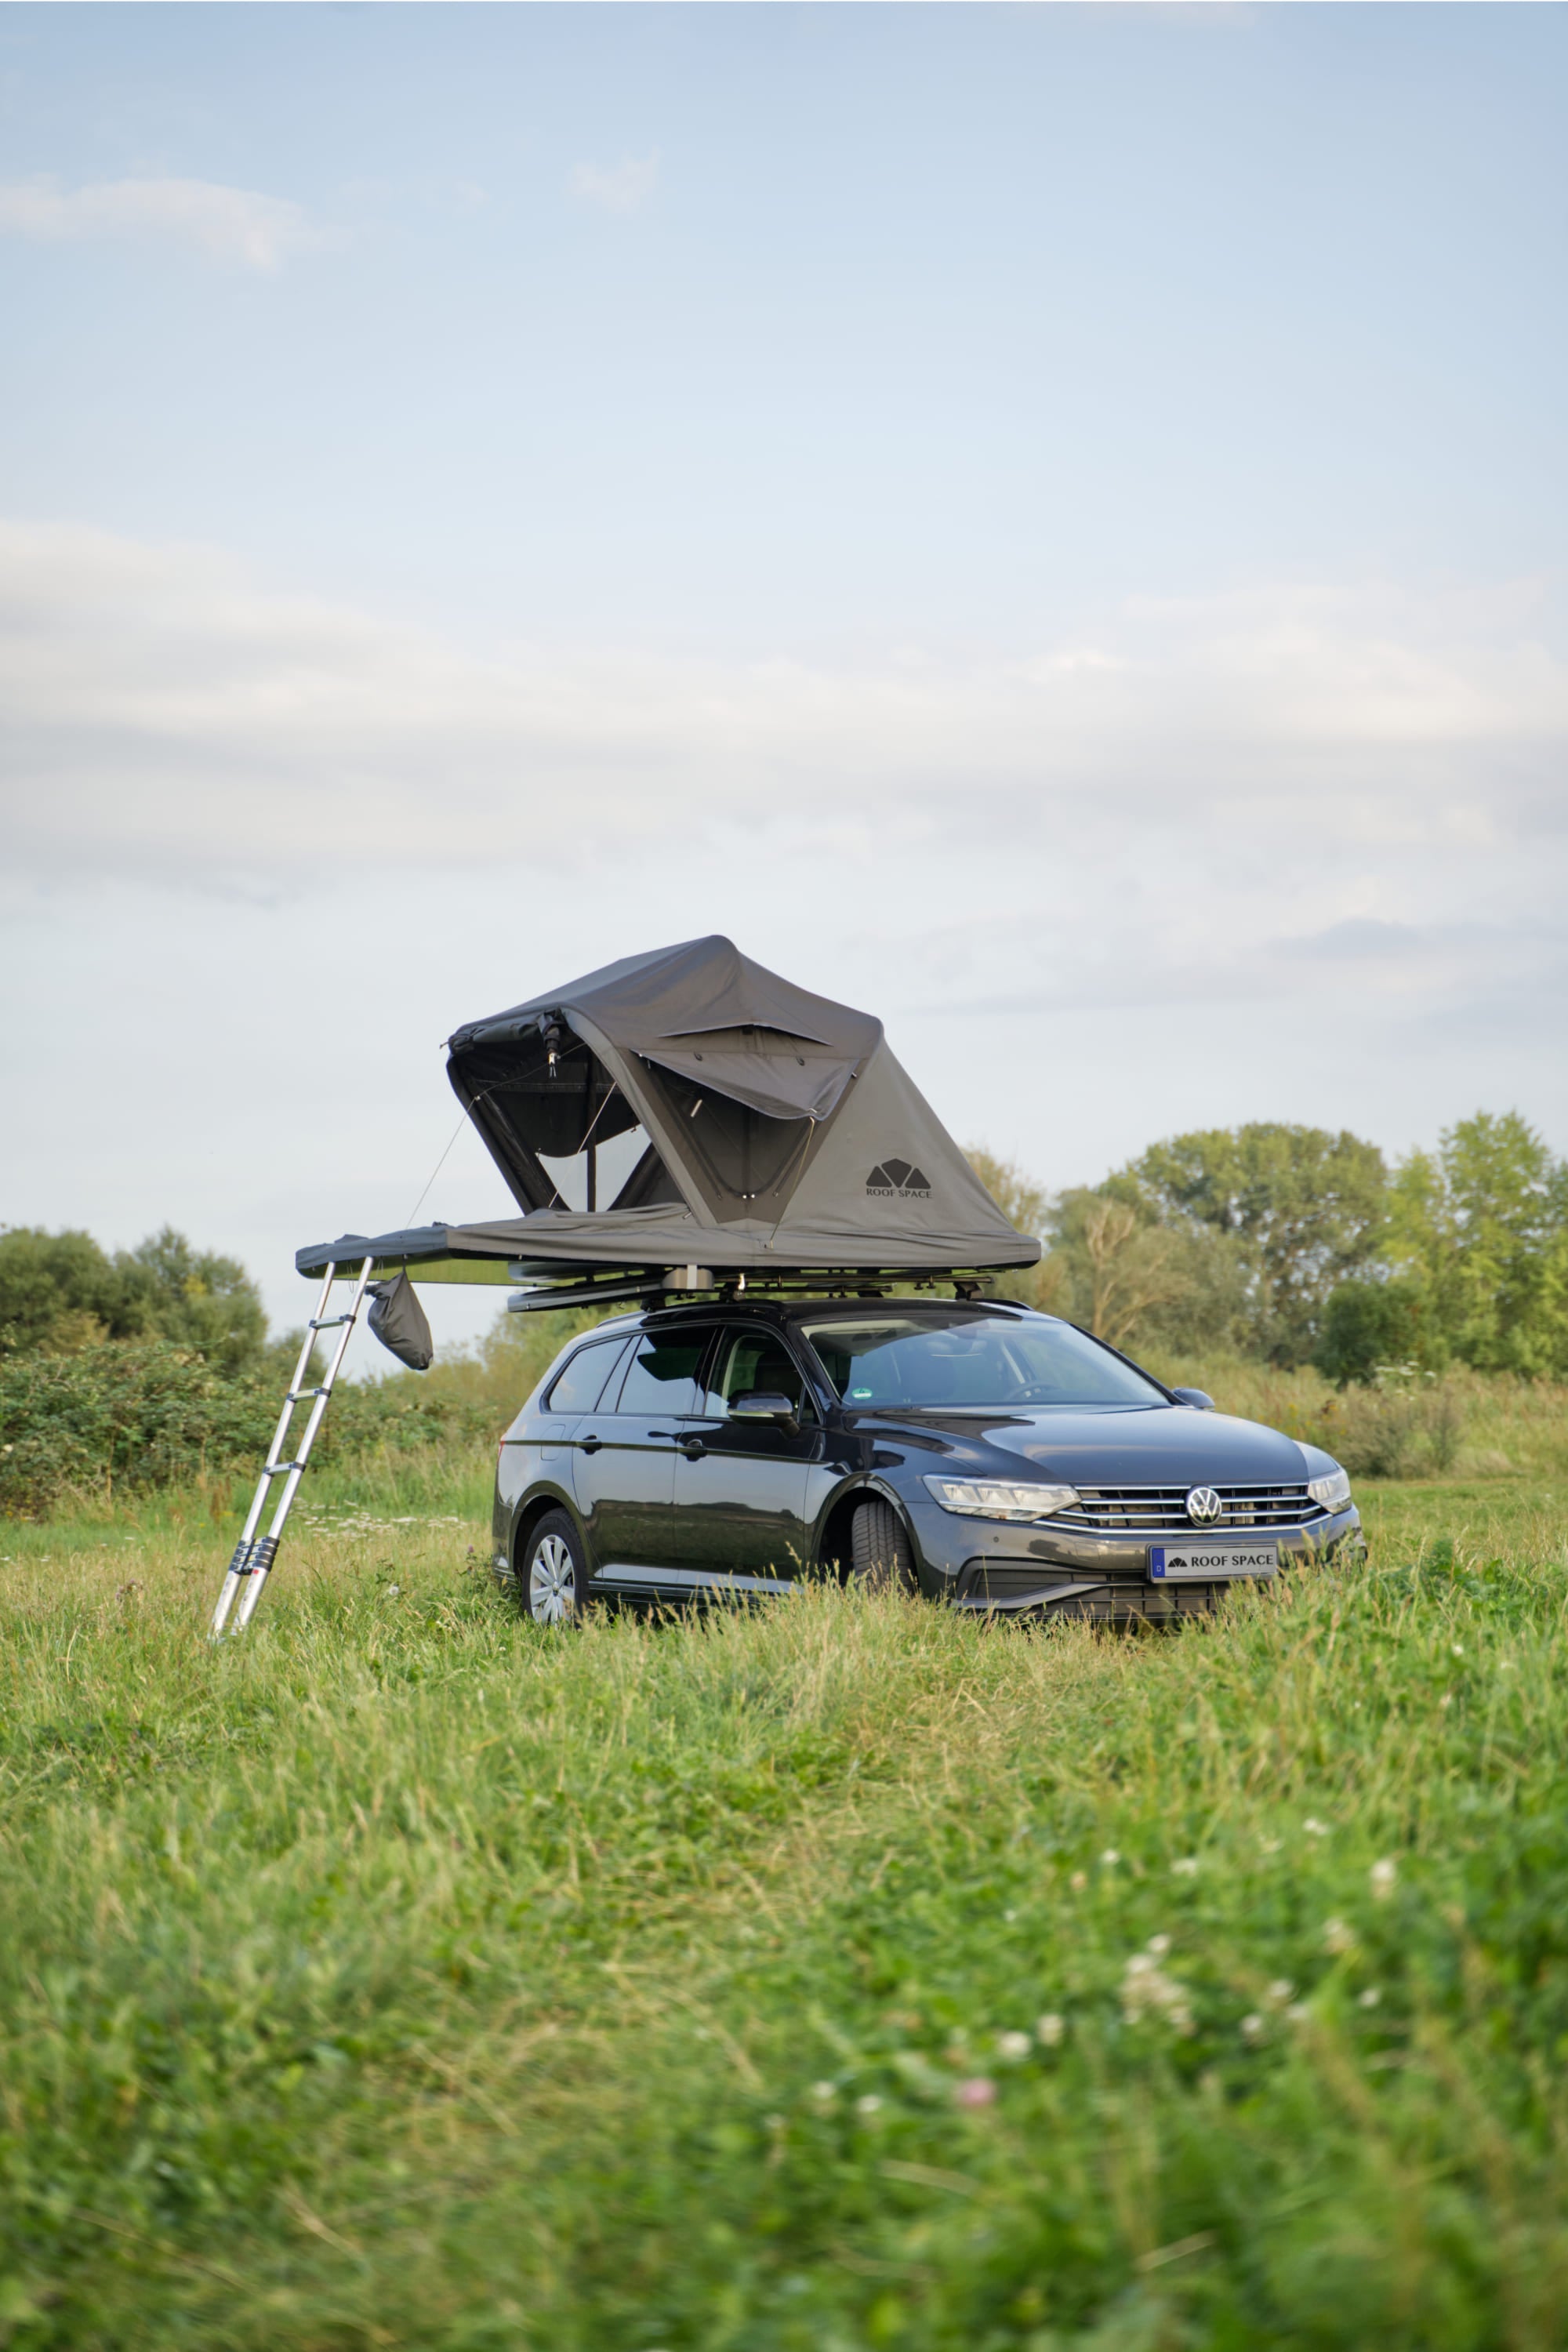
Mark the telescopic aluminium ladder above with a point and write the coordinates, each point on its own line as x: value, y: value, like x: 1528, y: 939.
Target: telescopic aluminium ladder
x: 254, y: 1554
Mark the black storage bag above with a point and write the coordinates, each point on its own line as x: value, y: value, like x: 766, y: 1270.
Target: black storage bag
x: 398, y: 1321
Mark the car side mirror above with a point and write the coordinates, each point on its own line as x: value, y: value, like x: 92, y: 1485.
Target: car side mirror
x: 765, y: 1404
x: 1200, y: 1401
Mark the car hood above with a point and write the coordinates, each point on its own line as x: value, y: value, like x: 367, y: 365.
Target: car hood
x: 1162, y: 1445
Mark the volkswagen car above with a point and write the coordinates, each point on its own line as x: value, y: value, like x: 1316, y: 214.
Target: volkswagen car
x: 986, y: 1455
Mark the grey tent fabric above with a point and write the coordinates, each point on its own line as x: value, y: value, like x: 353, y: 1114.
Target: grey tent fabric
x: 399, y: 1323
x: 781, y: 1134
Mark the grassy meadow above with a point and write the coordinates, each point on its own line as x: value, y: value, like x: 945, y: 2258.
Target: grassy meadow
x: 831, y: 1977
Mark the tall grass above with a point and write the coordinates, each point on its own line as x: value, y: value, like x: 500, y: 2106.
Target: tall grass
x: 403, y: 1975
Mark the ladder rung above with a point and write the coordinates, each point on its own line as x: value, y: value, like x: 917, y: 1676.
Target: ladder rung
x: 295, y: 1394
x: 276, y: 1469
x: 328, y: 1322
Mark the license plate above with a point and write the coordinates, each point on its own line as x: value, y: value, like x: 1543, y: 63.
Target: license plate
x: 1210, y: 1561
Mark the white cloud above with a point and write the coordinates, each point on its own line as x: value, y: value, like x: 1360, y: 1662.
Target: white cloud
x: 623, y: 189
x: 234, y: 225
x: 1172, y: 806
x: 1294, y: 854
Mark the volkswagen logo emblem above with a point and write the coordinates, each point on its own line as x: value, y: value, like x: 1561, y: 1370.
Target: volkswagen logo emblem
x: 1204, y: 1507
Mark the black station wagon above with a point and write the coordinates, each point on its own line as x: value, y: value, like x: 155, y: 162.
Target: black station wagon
x: 980, y: 1454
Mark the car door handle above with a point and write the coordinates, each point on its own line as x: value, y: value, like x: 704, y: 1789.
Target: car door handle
x: 590, y: 1445
x: 693, y: 1448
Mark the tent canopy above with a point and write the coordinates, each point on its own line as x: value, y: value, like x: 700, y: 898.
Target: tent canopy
x: 779, y: 1133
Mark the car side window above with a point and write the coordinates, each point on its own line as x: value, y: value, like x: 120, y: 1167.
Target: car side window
x: 755, y: 1359
x: 580, y: 1383
x: 662, y: 1375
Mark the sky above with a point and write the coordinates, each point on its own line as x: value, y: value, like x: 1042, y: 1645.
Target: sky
x: 1045, y: 523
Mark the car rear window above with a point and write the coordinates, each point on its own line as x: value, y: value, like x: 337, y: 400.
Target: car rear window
x: 580, y: 1383
x: 662, y: 1375
x: 957, y: 1357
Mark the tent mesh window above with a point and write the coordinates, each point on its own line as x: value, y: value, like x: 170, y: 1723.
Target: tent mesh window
x: 530, y: 1109
x: 746, y: 1163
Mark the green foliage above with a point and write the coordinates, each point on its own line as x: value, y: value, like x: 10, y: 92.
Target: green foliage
x: 1138, y: 1283
x: 1481, y: 1225
x: 1369, y: 1324
x: 199, y: 1300
x: 144, y: 1417
x: 1028, y: 1206
x: 61, y: 1292
x: 1304, y: 1210
x: 1297, y: 1245
x: 402, y: 1975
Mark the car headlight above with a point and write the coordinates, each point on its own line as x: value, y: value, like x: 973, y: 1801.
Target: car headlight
x: 1333, y: 1491
x: 984, y: 1498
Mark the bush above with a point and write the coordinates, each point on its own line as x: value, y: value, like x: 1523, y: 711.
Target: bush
x: 138, y: 1418
x: 1367, y: 1325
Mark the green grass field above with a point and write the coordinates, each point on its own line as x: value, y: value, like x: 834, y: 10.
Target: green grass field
x: 836, y: 1975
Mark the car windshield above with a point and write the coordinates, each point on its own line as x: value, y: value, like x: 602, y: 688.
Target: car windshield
x: 959, y: 1357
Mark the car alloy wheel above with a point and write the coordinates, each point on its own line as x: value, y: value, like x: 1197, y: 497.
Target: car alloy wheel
x: 554, y: 1579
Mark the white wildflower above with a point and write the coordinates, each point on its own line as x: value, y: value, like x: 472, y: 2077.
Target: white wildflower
x: 1049, y: 2030
x: 1458, y: 1648
x: 868, y: 2105
x: 1315, y: 1828
x: 1111, y: 1857
x: 1298, y: 2012
x: 1383, y: 1876
x: 1280, y: 1990
x: 1187, y: 1867
x: 1269, y: 1845
x: 1078, y: 1882
x: 1369, y: 1997
x: 825, y: 2094
x: 1338, y: 1936
x: 1147, y: 1990
x: 1013, y: 2045
x: 1446, y: 1701
x: 1159, y: 1945
x: 1252, y: 2028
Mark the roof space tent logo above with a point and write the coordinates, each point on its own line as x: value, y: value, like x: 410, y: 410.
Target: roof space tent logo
x: 895, y: 1179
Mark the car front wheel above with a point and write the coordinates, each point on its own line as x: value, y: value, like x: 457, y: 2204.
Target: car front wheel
x: 554, y: 1583
x: 880, y: 1557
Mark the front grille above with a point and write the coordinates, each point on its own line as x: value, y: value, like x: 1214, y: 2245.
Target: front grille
x: 1163, y: 1510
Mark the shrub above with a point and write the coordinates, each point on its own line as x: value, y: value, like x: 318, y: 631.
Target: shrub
x: 134, y: 1419
x: 1369, y: 1324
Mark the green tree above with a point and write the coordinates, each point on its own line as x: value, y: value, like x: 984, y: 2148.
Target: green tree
x: 1305, y: 1210
x: 61, y: 1292
x: 1368, y: 1325
x: 1481, y: 1225
x: 1028, y: 1206
x: 199, y: 1300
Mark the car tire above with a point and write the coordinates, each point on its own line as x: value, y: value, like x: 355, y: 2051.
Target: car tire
x: 552, y: 1576
x: 882, y: 1559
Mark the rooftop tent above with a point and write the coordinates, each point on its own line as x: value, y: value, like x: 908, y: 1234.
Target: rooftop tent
x: 775, y: 1131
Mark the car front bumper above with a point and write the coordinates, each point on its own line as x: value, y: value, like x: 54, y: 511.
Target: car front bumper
x: 1069, y: 1574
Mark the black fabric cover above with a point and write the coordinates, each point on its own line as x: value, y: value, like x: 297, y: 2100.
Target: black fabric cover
x: 782, y: 1134
x: 399, y: 1323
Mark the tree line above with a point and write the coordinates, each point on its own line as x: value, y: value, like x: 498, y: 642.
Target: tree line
x: 1295, y: 1246
x: 1287, y: 1244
